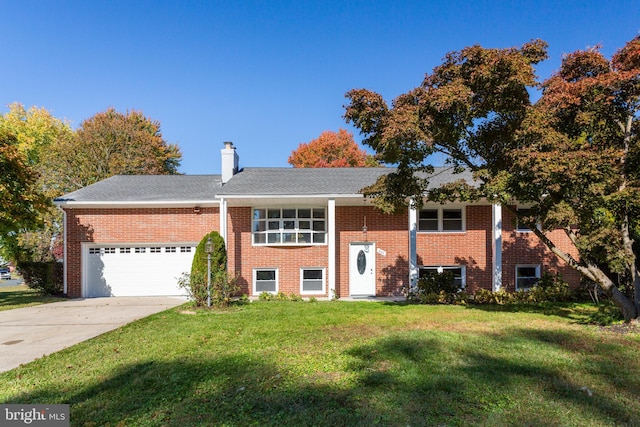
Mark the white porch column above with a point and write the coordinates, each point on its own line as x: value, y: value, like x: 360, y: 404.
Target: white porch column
x: 223, y: 221
x: 496, y: 246
x: 331, y: 231
x: 413, y: 250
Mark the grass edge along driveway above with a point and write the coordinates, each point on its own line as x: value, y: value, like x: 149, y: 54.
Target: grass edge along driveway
x: 343, y: 363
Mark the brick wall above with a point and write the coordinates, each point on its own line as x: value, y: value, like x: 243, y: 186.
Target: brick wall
x: 525, y: 248
x: 153, y: 225
x: 471, y: 248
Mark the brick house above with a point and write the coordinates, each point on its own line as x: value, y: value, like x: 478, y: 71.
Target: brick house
x: 304, y: 231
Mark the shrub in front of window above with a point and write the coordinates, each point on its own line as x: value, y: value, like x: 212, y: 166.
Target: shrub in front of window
x: 437, y: 288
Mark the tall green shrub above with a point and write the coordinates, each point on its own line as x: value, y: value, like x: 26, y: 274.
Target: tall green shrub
x: 46, y: 277
x: 222, y: 286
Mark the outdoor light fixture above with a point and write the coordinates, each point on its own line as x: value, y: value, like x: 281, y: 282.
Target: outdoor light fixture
x: 208, y: 248
x: 196, y: 210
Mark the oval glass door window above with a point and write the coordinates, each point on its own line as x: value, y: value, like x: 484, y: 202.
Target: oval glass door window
x: 362, y: 262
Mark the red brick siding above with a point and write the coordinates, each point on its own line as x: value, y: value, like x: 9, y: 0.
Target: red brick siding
x: 471, y: 248
x: 526, y: 248
x: 131, y: 225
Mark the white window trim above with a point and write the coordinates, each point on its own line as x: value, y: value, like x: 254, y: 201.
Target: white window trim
x: 254, y: 281
x: 518, y: 266
x: 282, y: 231
x: 463, y: 271
x: 440, y: 209
x: 324, y: 281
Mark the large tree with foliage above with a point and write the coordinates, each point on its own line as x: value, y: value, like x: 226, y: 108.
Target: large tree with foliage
x: 573, y: 154
x: 112, y: 143
x: 28, y: 136
x: 331, y: 150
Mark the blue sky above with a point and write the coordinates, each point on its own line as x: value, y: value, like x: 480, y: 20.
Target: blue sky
x: 267, y: 75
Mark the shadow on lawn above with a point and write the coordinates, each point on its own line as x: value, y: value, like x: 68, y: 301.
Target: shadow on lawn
x: 21, y: 296
x: 410, y: 378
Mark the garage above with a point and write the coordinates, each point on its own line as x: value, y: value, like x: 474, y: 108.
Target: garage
x: 135, y: 270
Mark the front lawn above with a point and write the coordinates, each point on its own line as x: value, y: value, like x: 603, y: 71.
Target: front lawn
x: 22, y: 296
x: 344, y: 363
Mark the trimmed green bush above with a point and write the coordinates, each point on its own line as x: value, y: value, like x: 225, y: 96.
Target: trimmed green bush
x: 46, y: 277
x: 223, y: 287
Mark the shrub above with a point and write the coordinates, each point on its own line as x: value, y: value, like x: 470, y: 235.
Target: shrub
x: 266, y: 296
x: 436, y: 288
x: 223, y: 286
x: 295, y: 298
x: 281, y: 296
x: 550, y: 288
x: 46, y: 277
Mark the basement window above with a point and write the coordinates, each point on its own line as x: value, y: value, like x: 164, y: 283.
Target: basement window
x: 458, y: 272
x: 527, y: 276
x: 265, y: 280
x: 312, y: 281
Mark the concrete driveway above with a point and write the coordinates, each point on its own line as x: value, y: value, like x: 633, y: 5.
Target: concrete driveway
x: 32, y: 332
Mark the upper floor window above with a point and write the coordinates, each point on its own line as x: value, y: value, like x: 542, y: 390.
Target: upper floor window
x: 520, y: 226
x: 289, y: 226
x: 441, y: 219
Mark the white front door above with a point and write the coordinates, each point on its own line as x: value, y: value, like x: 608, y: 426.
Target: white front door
x: 362, y: 269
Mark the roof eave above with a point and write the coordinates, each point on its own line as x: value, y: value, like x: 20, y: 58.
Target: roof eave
x: 136, y: 204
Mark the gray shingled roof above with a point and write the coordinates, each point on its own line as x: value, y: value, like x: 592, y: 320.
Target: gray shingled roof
x: 320, y: 181
x: 248, y: 182
x: 294, y: 181
x: 148, y: 188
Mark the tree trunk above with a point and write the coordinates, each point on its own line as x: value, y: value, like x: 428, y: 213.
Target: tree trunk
x: 626, y: 306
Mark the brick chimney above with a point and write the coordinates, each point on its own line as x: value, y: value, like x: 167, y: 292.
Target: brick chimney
x: 229, y: 161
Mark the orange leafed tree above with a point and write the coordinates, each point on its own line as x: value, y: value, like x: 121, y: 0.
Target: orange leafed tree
x: 331, y: 150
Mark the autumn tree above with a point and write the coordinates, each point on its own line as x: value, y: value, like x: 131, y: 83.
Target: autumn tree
x: 20, y: 198
x: 112, y: 143
x: 27, y: 137
x: 331, y: 150
x: 573, y: 154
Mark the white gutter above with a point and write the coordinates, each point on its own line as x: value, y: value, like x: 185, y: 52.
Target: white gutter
x: 141, y: 204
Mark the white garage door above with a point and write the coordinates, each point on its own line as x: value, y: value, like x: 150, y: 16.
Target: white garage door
x: 136, y: 270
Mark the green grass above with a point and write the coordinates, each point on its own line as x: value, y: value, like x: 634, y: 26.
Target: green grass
x: 22, y: 296
x: 344, y: 363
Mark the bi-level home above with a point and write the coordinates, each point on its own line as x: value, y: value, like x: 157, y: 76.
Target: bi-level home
x: 309, y: 232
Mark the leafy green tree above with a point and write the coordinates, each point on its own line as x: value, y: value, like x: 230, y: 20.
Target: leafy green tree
x: 21, y: 200
x: 574, y: 153
x: 28, y: 136
x: 331, y: 150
